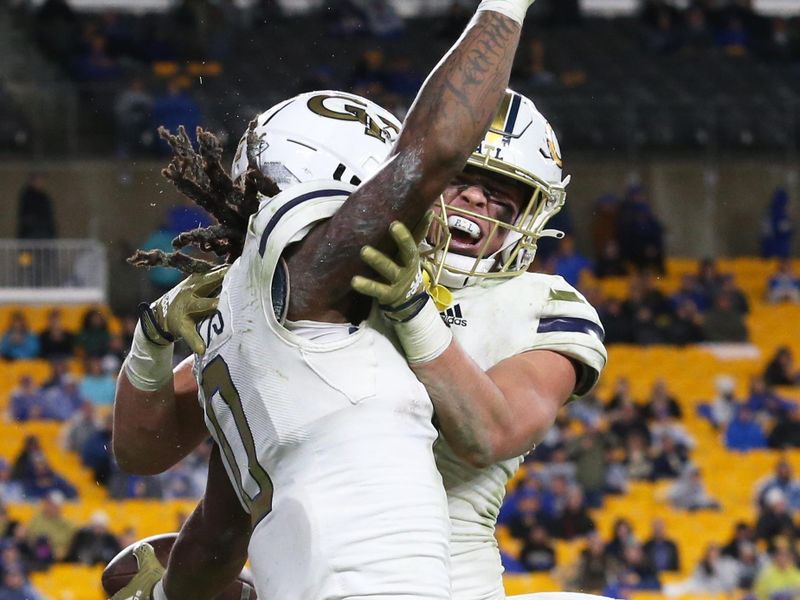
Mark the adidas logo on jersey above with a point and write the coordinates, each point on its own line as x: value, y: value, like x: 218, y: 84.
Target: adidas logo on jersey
x: 452, y: 316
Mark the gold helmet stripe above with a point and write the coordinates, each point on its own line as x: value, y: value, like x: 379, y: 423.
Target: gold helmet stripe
x: 498, y: 126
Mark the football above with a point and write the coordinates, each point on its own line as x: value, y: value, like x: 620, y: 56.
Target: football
x: 123, y: 567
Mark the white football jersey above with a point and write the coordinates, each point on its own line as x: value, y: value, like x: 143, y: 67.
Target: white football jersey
x: 326, y: 438
x: 494, y: 320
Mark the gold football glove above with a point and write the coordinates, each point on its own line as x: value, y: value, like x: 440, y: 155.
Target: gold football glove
x: 404, y: 293
x: 149, y: 574
x: 175, y: 315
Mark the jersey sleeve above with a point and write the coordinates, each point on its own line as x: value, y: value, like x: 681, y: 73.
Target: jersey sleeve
x: 569, y: 325
x: 281, y: 222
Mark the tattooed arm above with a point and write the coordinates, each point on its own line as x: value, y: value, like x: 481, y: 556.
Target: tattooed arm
x: 451, y: 114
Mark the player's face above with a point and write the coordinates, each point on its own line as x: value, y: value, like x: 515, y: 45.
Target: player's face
x: 487, y: 195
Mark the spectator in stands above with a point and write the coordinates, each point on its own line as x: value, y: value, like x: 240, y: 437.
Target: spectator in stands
x: 662, y: 402
x: 638, y: 463
x: 714, y: 574
x: 531, y: 70
x: 93, y: 338
x: 604, y: 213
x: 616, y: 322
x: 782, y: 479
x: 641, y: 234
x: 621, y: 538
x: 663, y: 38
x: 574, y: 520
x: 723, y: 322
x: 774, y: 519
x: 35, y: 219
x: 11, y: 559
x: 696, y: 34
x: 634, y: 560
x: 628, y: 422
x: 733, y: 37
x: 689, y: 492
x: 709, y: 281
x: 722, y: 408
x: 616, y: 479
x: 50, y: 524
x: 23, y: 463
x: 44, y: 481
x: 781, y: 577
x: 786, y: 433
x: 588, y: 450
x: 661, y: 551
x: 528, y: 512
x: 62, y: 401
x: 132, y: 114
x: 18, y: 342
x: 690, y: 289
x: 16, y: 587
x: 10, y: 491
x: 609, y: 262
x: 662, y: 426
x: 686, y: 325
x: 777, y: 228
x: 670, y: 459
x: 783, y: 286
x: 569, y: 263
x: 587, y: 410
x: 595, y: 566
x: 79, y: 428
x: 27, y: 401
x: 744, y: 433
x: 780, y: 369
x: 96, y: 452
x: 738, y: 298
x: 537, y: 553
x: 93, y: 544
x: 36, y: 557
x: 59, y: 372
x: 763, y: 400
x: 743, y: 535
x: 55, y: 341
x: 621, y: 395
x: 97, y: 385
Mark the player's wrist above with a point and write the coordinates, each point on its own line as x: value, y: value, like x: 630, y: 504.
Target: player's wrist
x: 148, y: 365
x: 513, y: 9
x: 424, y: 336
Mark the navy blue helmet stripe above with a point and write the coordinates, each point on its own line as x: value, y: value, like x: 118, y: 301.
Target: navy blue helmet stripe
x: 513, y: 112
x: 572, y: 325
x: 273, y: 222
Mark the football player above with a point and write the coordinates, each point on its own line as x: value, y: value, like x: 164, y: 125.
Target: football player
x: 524, y: 342
x: 334, y: 468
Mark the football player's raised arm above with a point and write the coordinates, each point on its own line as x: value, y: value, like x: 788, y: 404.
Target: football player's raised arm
x: 154, y: 430
x: 449, y: 117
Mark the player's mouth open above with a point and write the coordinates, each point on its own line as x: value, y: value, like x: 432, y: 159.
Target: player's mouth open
x: 465, y: 233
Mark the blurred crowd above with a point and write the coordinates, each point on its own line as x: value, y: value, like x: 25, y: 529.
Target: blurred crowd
x: 600, y: 446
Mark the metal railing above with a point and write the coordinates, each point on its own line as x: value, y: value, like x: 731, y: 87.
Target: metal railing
x: 45, y: 271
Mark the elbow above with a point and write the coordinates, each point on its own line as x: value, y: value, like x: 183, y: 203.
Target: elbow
x: 135, y: 460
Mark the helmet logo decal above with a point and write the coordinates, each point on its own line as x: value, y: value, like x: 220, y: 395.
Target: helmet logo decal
x: 355, y: 111
x: 552, y: 146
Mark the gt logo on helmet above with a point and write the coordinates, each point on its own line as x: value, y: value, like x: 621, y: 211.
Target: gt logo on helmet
x: 354, y: 110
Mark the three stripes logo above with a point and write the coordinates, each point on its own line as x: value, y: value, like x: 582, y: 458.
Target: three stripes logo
x: 452, y: 316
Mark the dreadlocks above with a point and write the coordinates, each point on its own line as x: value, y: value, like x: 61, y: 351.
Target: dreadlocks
x: 199, y: 175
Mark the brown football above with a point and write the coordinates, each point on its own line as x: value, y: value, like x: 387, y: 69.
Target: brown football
x: 123, y: 567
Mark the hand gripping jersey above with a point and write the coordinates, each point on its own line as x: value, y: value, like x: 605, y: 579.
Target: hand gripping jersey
x: 325, y: 432
x: 494, y: 320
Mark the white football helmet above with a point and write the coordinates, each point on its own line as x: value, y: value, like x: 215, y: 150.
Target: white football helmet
x: 521, y: 146
x: 320, y: 135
